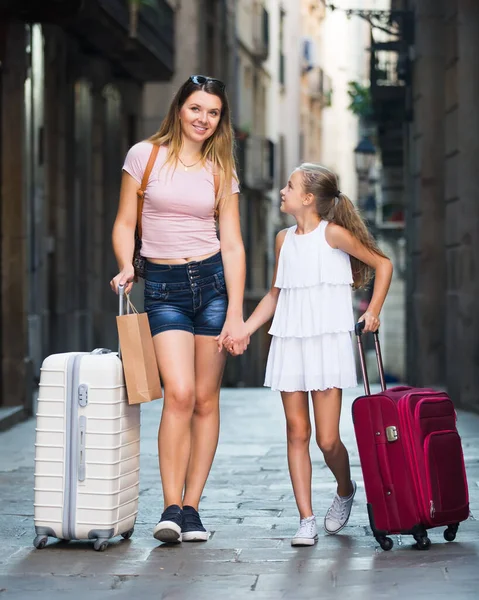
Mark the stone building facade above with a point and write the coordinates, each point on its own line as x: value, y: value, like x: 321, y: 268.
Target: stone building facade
x: 71, y: 82
x: 441, y: 147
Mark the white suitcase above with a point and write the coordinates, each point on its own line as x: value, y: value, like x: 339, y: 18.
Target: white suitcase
x: 87, y: 450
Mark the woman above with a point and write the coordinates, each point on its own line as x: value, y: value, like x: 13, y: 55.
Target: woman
x: 194, y: 284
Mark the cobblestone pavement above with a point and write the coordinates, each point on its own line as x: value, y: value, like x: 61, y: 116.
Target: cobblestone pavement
x: 249, y: 506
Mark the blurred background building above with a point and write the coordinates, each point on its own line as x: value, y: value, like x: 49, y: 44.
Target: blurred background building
x: 381, y: 91
x: 436, y: 63
x: 72, y: 76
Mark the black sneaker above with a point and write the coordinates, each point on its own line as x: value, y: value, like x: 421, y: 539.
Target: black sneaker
x: 168, y: 528
x: 192, y: 529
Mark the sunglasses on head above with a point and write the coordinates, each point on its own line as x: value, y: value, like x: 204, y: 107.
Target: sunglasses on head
x: 201, y: 80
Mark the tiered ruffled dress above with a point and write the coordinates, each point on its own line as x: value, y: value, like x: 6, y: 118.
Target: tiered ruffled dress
x: 312, y: 347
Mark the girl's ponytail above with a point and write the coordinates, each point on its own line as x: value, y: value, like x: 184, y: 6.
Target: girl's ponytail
x: 336, y: 207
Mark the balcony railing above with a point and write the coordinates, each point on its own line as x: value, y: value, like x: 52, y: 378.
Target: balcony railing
x: 155, y: 25
x: 390, y: 96
x: 104, y: 25
x: 389, y: 64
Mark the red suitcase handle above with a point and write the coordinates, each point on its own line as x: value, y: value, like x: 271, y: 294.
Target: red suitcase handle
x: 358, y: 330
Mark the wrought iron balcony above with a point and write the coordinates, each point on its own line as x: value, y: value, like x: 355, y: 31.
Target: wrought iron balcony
x: 104, y: 27
x: 390, y: 96
x: 150, y: 54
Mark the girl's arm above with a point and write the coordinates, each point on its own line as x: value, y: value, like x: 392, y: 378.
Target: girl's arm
x: 341, y: 238
x: 123, y: 235
x: 267, y: 306
x: 234, y: 263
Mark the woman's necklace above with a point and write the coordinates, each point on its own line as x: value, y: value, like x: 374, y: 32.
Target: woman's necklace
x: 189, y: 166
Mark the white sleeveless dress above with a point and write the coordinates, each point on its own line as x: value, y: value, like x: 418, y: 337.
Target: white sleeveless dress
x: 311, y: 348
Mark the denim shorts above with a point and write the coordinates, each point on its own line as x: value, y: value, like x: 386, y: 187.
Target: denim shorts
x: 190, y: 297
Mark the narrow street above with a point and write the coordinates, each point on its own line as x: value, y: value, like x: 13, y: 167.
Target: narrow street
x: 249, y: 507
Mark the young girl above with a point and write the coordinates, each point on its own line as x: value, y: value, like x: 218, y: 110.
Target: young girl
x: 317, y: 261
x: 194, y: 283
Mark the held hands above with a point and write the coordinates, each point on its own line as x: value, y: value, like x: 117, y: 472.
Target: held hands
x: 124, y: 277
x: 234, y: 337
x: 371, y: 321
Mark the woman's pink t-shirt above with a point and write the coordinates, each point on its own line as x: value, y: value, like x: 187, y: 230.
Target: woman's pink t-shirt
x: 178, y: 211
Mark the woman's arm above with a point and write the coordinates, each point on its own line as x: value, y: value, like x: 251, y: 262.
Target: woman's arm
x: 234, y: 262
x: 341, y: 238
x: 233, y: 255
x: 123, y: 235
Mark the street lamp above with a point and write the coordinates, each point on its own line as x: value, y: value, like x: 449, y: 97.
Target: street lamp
x: 365, y: 156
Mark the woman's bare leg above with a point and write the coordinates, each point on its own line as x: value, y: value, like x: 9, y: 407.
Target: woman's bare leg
x: 209, y: 367
x: 175, y: 352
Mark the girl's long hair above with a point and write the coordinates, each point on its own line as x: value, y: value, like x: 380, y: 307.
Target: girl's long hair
x: 217, y: 149
x: 332, y: 205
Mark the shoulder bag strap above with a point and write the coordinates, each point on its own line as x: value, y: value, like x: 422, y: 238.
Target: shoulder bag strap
x: 144, y: 182
x: 216, y: 179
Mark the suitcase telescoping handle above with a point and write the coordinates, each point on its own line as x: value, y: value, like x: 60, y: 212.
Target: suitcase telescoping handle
x: 358, y: 330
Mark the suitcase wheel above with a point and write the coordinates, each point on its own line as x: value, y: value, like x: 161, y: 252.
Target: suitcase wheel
x: 386, y: 543
x: 423, y: 542
x: 127, y: 535
x: 100, y: 545
x: 40, y: 541
x: 450, y: 533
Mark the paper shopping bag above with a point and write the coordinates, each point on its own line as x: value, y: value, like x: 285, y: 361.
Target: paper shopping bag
x: 142, y: 377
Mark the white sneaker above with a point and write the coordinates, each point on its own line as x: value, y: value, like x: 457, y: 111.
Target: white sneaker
x: 307, y: 534
x: 337, y: 516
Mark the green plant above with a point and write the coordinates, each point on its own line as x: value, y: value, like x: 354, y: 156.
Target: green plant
x: 360, y: 96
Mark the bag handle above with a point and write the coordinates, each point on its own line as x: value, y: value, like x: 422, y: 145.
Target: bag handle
x: 121, y: 309
x: 140, y: 193
x: 358, y: 330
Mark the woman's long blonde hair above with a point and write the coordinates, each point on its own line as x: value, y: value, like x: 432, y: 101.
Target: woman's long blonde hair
x: 332, y: 205
x: 217, y: 149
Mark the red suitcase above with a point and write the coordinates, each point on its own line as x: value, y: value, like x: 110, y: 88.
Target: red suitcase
x: 411, y: 458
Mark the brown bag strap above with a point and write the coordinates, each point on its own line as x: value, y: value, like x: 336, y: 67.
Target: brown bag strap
x: 144, y: 182
x: 216, y: 179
